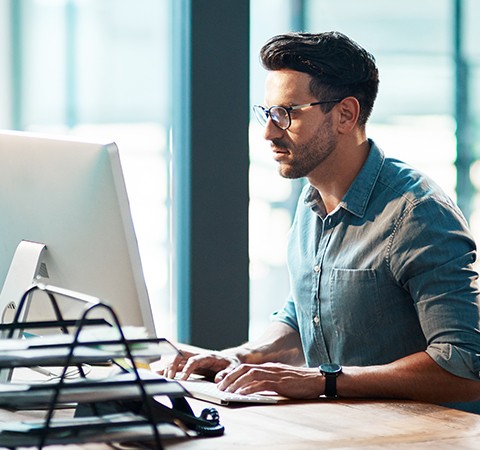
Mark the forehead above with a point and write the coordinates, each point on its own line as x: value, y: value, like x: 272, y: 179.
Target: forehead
x: 287, y: 86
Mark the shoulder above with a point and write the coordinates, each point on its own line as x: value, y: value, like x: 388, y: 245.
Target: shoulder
x: 400, y: 179
x: 415, y: 192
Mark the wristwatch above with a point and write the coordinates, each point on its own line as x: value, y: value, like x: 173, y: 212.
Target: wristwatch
x: 330, y: 372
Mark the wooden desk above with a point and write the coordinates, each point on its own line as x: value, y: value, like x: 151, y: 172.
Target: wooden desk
x: 328, y: 424
x: 331, y: 424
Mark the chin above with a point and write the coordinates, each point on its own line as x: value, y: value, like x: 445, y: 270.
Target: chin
x: 290, y: 172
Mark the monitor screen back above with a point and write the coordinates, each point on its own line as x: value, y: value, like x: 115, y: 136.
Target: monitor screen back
x: 71, y: 196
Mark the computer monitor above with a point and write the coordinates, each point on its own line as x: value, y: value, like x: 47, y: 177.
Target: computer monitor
x: 65, y: 219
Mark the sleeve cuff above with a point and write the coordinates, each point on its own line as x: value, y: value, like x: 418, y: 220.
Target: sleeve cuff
x: 457, y: 361
x: 286, y: 315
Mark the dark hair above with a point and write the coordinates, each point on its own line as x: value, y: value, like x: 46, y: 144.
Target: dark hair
x: 339, y: 67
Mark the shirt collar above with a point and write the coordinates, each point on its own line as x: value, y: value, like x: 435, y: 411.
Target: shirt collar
x: 356, y: 199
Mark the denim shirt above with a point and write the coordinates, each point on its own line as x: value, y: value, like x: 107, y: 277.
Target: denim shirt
x: 386, y: 274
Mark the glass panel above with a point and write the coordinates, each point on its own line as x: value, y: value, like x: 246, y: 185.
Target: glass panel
x: 412, y: 43
x: 100, y: 69
x: 270, y: 194
x: 472, y: 56
x: 5, y: 57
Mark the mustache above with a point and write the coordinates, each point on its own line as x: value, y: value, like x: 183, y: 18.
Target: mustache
x: 278, y: 143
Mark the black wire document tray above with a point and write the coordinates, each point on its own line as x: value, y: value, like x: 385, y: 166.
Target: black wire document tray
x: 83, y: 390
x: 131, y: 405
x: 54, y: 350
x: 107, y: 428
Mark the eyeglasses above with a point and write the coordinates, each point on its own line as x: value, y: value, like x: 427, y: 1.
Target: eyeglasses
x: 280, y: 115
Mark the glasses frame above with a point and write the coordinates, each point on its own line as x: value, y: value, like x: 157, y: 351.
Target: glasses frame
x: 287, y: 109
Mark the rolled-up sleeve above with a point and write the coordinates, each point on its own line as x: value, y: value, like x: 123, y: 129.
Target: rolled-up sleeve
x: 287, y: 315
x: 463, y: 363
x: 432, y: 255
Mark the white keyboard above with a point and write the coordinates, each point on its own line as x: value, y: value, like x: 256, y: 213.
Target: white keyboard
x: 206, y: 390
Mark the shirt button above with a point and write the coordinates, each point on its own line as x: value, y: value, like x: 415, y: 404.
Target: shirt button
x: 316, y: 320
x: 316, y: 269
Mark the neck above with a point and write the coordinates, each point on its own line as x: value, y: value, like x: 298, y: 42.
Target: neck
x: 333, y: 178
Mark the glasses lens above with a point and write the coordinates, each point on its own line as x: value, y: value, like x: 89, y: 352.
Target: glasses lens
x: 280, y: 117
x: 261, y: 114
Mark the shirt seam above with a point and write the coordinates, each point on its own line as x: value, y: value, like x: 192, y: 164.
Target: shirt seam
x: 400, y: 220
x: 398, y: 223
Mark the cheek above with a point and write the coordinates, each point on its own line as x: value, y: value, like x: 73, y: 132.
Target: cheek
x: 300, y: 135
x: 307, y: 126
x: 302, y: 126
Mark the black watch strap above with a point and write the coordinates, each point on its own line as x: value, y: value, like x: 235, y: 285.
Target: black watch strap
x: 330, y: 372
x: 330, y: 385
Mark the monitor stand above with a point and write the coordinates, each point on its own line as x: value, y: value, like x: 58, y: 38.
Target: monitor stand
x: 25, y: 268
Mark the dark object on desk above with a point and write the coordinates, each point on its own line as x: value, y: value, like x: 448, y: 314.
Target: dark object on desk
x: 180, y: 414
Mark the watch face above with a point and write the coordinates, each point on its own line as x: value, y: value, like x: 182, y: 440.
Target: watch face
x: 330, y: 368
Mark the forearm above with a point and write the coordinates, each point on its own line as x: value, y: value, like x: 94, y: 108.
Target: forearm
x: 415, y: 377
x: 279, y: 343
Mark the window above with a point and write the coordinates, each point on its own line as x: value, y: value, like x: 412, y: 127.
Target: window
x: 101, y: 69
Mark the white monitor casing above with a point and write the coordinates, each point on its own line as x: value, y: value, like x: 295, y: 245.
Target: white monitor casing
x: 70, y: 195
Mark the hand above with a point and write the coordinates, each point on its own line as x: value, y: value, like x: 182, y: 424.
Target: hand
x: 289, y: 381
x: 212, y: 365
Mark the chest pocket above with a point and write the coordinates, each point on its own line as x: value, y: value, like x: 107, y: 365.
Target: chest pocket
x: 354, y: 300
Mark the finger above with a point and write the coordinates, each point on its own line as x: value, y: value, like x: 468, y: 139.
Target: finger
x: 207, y: 365
x: 192, y: 365
x: 230, y: 377
x: 174, y: 367
x: 223, y: 373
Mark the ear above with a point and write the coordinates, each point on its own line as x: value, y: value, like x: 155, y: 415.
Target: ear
x: 348, y: 112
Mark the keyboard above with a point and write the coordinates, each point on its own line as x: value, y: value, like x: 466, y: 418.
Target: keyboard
x: 208, y: 391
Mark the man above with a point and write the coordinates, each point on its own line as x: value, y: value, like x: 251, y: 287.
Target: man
x: 384, y: 301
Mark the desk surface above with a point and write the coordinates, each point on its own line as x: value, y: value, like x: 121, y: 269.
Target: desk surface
x: 327, y: 424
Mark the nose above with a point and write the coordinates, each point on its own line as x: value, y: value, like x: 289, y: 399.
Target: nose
x: 271, y: 130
